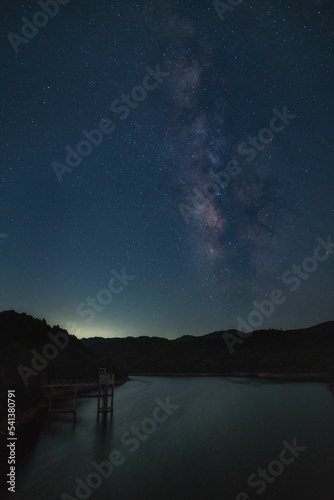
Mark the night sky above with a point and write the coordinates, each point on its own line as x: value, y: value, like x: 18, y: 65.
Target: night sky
x: 193, y: 190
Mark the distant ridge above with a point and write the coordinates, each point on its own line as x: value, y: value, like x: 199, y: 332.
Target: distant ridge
x: 301, y: 351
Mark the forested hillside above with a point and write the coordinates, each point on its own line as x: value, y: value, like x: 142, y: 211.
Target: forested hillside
x: 31, y: 352
x: 303, y: 351
x: 24, y: 343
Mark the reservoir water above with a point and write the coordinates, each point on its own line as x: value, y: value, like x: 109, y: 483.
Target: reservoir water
x: 183, y: 438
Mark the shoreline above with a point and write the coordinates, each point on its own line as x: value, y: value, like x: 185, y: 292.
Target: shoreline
x: 29, y: 419
x: 290, y: 377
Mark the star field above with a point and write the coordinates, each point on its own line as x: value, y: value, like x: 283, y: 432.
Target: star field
x: 178, y: 193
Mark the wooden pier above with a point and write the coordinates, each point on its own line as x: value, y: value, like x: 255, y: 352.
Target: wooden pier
x: 104, y: 386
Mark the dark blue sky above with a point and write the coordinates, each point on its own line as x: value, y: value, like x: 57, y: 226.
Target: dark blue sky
x: 200, y: 256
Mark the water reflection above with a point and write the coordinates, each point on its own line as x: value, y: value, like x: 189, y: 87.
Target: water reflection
x: 223, y: 431
x: 104, y: 422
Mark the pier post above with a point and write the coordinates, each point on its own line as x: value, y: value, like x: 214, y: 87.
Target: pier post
x: 98, y: 398
x: 106, y: 382
x: 75, y: 400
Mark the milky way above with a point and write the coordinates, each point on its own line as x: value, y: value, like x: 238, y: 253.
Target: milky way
x: 237, y: 223
x: 200, y: 190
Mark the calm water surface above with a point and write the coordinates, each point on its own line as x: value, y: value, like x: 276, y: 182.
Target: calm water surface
x: 222, y: 431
